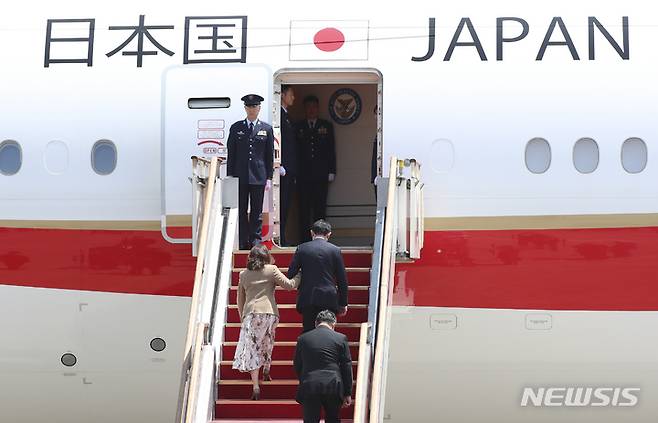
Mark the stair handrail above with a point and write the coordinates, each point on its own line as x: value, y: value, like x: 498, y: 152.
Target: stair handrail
x: 195, y: 374
x: 363, y: 373
x: 399, y: 232
x: 411, y: 213
x: 197, y: 390
x: 202, y: 196
x: 383, y: 250
x: 208, y: 194
x: 385, y: 294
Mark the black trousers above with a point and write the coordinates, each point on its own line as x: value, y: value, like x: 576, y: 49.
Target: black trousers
x: 286, y: 187
x: 308, y: 317
x: 312, y: 204
x: 314, y: 404
x: 251, y: 225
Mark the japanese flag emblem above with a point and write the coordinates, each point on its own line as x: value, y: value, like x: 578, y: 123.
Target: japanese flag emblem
x: 329, y: 40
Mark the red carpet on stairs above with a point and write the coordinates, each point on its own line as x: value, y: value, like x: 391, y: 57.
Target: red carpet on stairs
x: 278, y: 396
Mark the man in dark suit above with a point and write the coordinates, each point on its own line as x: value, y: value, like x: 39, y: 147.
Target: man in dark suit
x: 317, y: 163
x: 324, y: 368
x: 288, y: 169
x: 324, y: 280
x: 251, y: 159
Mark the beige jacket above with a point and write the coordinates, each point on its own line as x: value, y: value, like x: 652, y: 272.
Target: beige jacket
x: 256, y: 289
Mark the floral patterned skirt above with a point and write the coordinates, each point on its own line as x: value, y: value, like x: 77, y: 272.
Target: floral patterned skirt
x: 256, y: 342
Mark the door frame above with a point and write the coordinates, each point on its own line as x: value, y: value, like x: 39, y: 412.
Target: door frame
x: 321, y: 76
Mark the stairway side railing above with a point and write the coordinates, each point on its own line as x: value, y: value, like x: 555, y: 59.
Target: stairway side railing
x: 216, y: 234
x: 364, y: 371
x: 385, y: 293
x: 369, y: 328
x: 410, y: 210
x: 398, y: 233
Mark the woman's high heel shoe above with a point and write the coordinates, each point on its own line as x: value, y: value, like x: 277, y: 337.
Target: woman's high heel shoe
x: 266, y: 376
x: 255, y: 395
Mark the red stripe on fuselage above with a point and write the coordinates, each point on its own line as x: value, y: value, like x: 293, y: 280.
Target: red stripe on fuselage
x: 566, y: 269
x: 125, y: 261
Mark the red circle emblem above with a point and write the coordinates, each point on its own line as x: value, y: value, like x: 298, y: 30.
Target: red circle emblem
x: 329, y: 39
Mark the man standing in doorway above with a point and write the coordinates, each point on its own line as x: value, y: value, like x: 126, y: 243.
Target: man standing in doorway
x: 251, y: 160
x: 288, y: 169
x: 324, y: 280
x: 317, y: 154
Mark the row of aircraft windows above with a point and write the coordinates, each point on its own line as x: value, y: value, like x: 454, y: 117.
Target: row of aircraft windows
x: 56, y: 157
x: 537, y: 156
x: 634, y: 155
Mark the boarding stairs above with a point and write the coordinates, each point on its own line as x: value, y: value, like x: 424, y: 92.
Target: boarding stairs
x: 278, y: 396
x: 210, y: 390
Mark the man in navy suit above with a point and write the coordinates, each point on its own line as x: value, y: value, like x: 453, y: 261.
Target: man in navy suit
x: 251, y: 160
x: 288, y: 167
x: 324, y: 367
x: 324, y: 280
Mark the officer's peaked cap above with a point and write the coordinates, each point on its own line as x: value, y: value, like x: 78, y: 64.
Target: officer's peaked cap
x: 252, y: 99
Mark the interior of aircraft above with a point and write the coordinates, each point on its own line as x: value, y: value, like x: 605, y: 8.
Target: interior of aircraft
x: 351, y: 202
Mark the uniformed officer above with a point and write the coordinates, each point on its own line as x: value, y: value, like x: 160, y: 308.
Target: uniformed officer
x: 288, y: 169
x: 317, y: 165
x: 251, y: 159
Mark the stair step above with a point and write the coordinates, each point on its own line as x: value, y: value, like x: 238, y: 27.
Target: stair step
x: 271, y: 408
x: 288, y: 314
x: 351, y: 258
x: 276, y: 389
x: 267, y: 391
x: 281, y: 369
x: 355, y: 295
x: 290, y: 331
x: 283, y: 350
x: 356, y: 276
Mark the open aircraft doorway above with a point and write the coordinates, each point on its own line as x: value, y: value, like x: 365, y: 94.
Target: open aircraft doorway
x: 349, y: 104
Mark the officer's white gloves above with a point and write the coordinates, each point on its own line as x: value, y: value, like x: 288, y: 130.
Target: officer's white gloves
x: 268, y: 185
x: 331, y: 177
x: 282, y: 171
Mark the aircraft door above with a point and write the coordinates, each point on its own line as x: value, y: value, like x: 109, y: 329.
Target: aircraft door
x: 198, y: 106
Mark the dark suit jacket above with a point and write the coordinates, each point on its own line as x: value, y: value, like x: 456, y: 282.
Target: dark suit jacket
x: 251, y: 158
x: 288, y: 144
x: 317, y: 149
x: 323, y: 364
x: 324, y: 281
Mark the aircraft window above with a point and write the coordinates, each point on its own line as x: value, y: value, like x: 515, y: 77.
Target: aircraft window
x: 56, y: 157
x: 634, y: 155
x: 209, y: 103
x: 538, y: 155
x: 11, y: 157
x: 586, y: 155
x: 104, y: 157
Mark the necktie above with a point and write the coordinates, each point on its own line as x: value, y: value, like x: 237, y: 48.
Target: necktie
x: 251, y: 128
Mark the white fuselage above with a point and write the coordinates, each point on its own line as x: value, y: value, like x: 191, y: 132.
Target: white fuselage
x: 463, y: 346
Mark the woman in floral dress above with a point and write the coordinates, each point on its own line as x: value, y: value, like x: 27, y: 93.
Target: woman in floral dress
x: 259, y: 314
